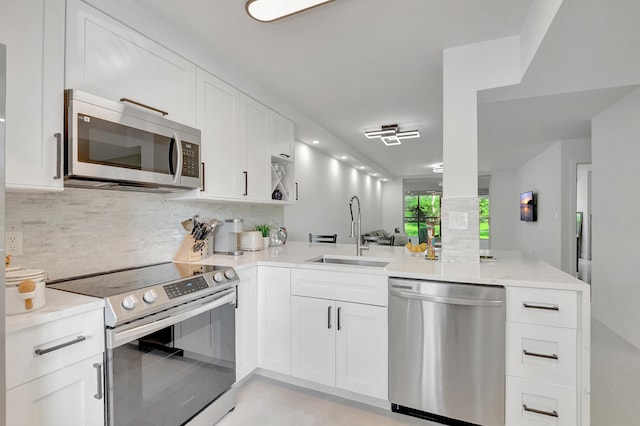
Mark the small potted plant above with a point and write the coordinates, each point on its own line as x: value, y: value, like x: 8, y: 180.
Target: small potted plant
x: 264, y: 230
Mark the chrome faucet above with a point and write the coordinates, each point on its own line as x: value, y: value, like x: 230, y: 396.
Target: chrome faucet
x: 356, y: 227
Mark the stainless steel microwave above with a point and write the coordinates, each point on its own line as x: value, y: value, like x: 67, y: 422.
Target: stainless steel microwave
x: 111, y: 145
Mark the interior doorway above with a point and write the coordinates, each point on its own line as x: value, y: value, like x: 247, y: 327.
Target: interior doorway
x: 583, y: 222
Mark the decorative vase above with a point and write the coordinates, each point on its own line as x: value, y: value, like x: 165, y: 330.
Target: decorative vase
x: 266, y: 242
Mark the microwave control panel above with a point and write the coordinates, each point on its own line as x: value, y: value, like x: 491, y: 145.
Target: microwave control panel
x: 190, y: 159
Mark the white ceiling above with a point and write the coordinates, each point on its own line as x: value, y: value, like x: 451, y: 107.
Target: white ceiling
x: 354, y: 65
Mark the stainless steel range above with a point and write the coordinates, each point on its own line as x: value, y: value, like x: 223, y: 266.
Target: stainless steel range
x: 170, y: 342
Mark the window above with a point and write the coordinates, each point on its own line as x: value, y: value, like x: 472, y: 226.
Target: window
x: 484, y: 217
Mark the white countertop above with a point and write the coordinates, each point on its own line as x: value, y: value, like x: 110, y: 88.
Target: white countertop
x: 508, y: 267
x: 59, y: 304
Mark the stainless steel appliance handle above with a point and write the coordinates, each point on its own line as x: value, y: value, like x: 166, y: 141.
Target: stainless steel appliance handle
x: 539, y: 355
x: 329, y: 317
x: 546, y: 308
x: 98, y: 367
x: 447, y: 300
x: 176, y: 177
x: 60, y: 346
x: 131, y: 101
x: 553, y: 413
x: 58, y: 137
x: 118, y: 338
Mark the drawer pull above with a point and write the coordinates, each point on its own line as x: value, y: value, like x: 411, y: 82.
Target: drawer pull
x: 553, y: 413
x: 60, y: 346
x: 546, y: 308
x: 98, y: 367
x: 552, y: 356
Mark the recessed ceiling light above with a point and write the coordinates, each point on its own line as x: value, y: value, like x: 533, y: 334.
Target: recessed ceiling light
x: 374, y: 174
x: 361, y: 167
x: 271, y: 10
x: 315, y: 142
x: 344, y: 157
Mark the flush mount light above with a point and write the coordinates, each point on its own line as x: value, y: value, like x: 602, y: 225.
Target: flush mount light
x: 272, y: 10
x: 438, y: 168
x: 390, y: 134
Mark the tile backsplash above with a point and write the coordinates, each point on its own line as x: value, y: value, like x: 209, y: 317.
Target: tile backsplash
x: 82, y: 231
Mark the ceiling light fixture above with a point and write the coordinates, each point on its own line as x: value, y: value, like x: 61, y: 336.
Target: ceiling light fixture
x: 272, y: 10
x: 438, y: 168
x: 344, y: 157
x: 315, y: 142
x: 390, y: 134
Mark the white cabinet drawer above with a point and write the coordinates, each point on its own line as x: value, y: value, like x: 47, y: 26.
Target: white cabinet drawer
x: 78, y: 337
x: 556, y: 308
x: 348, y: 287
x: 542, y: 353
x: 530, y: 403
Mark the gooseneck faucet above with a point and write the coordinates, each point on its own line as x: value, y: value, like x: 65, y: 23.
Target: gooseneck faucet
x: 356, y: 230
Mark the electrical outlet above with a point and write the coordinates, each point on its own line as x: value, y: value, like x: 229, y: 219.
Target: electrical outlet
x: 14, y: 243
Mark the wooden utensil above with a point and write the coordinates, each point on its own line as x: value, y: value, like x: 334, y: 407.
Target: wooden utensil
x: 27, y: 286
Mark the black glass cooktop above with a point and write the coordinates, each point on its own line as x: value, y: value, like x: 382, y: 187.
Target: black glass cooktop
x: 121, y: 281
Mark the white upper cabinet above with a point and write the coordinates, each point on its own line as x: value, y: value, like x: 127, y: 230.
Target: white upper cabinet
x: 33, y: 31
x: 256, y: 165
x: 217, y: 116
x: 281, y: 136
x: 111, y: 60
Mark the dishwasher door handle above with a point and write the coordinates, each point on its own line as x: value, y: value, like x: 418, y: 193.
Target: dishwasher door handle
x: 447, y: 300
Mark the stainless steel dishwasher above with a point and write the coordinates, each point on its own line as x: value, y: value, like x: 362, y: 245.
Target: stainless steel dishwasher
x: 446, y: 351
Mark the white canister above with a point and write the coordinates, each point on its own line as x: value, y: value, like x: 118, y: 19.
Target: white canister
x: 16, y: 302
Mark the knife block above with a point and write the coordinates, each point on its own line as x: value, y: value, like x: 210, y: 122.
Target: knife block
x: 185, y: 252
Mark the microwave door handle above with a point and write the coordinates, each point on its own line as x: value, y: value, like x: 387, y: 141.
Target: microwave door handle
x: 176, y: 177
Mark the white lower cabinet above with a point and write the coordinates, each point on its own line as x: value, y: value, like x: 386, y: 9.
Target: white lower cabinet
x: 340, y: 344
x: 274, y: 319
x: 533, y: 403
x: 72, y: 396
x: 247, y: 323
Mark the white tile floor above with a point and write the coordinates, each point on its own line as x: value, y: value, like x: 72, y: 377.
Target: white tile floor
x: 615, y: 395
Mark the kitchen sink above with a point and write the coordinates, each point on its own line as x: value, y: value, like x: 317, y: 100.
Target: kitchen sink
x: 351, y: 261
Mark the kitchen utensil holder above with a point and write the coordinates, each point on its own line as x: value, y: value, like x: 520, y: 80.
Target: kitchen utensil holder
x: 185, y: 252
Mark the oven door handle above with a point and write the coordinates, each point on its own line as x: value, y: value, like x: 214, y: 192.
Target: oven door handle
x: 118, y: 338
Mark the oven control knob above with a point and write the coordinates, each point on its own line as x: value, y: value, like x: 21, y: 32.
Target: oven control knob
x: 218, y: 277
x: 150, y: 296
x: 129, y: 302
x: 230, y: 274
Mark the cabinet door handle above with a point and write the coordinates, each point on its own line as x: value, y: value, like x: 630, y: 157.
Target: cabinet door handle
x: 283, y: 155
x: 246, y: 183
x: 546, y: 308
x: 329, y: 317
x: 131, y: 101
x: 296, y: 191
x: 553, y: 413
x: 58, y: 137
x: 98, y: 367
x: 203, y: 178
x: 60, y: 346
x: 339, y: 327
x: 237, y: 297
x: 539, y: 355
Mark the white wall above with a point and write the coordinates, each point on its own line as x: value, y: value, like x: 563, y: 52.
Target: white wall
x: 504, y: 212
x: 615, y: 134
x: 325, y: 186
x: 392, y: 205
x: 552, y: 176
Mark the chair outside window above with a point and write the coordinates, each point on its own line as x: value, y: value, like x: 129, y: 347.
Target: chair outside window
x: 323, y: 238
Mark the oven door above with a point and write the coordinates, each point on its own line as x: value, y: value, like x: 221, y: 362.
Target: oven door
x: 165, y: 372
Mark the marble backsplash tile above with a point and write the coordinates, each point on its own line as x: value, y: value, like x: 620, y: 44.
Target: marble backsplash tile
x: 82, y: 231
x: 460, y: 245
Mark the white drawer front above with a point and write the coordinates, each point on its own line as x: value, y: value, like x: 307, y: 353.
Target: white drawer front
x: 557, y: 308
x: 542, y: 353
x: 86, y: 331
x: 530, y: 403
x: 348, y: 287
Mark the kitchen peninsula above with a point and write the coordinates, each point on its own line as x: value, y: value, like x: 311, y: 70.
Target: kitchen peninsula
x: 279, y: 286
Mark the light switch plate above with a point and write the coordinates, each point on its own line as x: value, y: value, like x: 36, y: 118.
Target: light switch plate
x: 459, y: 221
